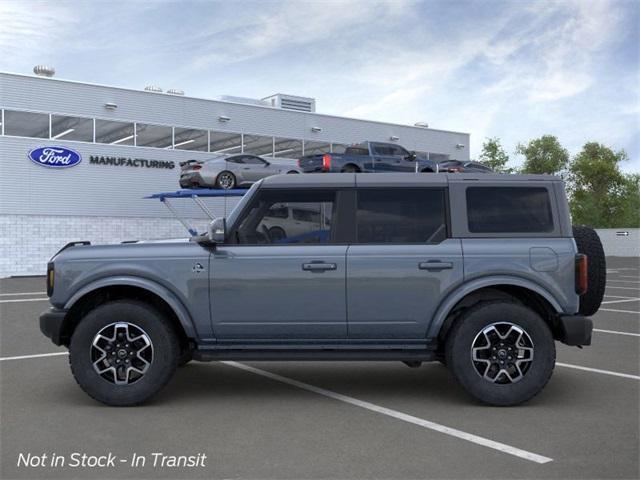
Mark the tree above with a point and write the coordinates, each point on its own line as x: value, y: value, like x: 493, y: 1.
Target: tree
x: 494, y: 156
x: 601, y: 195
x: 543, y: 155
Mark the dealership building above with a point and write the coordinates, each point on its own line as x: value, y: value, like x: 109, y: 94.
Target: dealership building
x: 127, y: 144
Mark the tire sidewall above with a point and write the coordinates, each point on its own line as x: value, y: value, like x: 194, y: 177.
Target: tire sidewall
x: 165, y: 352
x: 460, y: 341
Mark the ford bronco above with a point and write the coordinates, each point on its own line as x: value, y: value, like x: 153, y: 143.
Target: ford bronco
x: 481, y: 272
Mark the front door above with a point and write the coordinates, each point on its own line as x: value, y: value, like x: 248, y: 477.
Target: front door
x: 401, y: 264
x: 276, y: 280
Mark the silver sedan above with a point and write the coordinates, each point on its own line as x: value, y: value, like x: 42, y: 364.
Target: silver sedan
x: 230, y: 171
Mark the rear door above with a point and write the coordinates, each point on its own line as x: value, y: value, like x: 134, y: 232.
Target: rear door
x: 402, y: 263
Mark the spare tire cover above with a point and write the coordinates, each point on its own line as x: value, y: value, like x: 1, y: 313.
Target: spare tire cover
x: 588, y: 243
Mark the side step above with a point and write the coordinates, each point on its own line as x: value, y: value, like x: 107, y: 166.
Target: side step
x: 412, y: 356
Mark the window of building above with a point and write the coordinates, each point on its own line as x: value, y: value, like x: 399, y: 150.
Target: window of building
x: 258, y: 145
x: 26, y: 124
x: 315, y: 148
x: 191, y: 139
x: 268, y: 221
x: 157, y: 136
x: 71, y: 128
x: 225, y: 142
x: 287, y: 148
x: 401, y: 216
x: 114, y: 133
x: 509, y: 210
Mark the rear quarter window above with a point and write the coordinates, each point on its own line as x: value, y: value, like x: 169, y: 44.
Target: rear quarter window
x: 509, y: 210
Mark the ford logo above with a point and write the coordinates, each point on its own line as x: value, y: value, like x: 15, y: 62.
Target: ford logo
x: 55, y: 157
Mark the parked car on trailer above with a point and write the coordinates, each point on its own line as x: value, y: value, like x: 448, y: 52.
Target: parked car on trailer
x: 462, y: 166
x: 231, y: 171
x: 369, y: 157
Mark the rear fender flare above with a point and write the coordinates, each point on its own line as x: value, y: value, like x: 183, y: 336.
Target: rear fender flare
x: 454, y: 297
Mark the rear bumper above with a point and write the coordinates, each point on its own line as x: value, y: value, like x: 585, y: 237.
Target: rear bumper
x: 52, y: 325
x: 575, y: 330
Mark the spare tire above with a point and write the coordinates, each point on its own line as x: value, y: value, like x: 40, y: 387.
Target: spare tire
x: 588, y: 243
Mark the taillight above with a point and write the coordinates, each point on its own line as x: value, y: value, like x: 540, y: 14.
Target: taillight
x: 326, y: 162
x: 582, y: 279
x: 50, y: 278
x: 196, y: 167
x: 456, y: 169
x: 299, y: 162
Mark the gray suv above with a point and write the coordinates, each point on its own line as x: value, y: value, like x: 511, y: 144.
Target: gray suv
x: 481, y: 272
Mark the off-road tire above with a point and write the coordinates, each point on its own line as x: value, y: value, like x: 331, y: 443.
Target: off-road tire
x: 458, y: 354
x: 588, y: 243
x: 166, y: 352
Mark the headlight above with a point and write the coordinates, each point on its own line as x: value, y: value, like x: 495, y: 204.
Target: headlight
x: 50, y: 278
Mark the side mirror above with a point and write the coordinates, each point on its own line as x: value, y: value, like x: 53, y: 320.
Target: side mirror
x: 217, y: 230
x: 412, y: 156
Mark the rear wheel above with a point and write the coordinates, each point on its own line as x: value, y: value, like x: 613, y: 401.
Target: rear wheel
x: 277, y: 234
x: 225, y: 180
x: 588, y: 243
x: 350, y: 169
x: 123, y: 352
x: 502, y: 353
x: 292, y: 172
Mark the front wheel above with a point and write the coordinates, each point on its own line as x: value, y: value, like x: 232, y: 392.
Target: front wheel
x: 502, y: 353
x: 123, y: 352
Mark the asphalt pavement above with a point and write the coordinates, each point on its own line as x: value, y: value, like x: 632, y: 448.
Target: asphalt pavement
x: 323, y: 420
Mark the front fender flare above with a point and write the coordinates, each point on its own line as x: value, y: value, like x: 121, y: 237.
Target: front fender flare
x: 454, y: 297
x: 174, y: 303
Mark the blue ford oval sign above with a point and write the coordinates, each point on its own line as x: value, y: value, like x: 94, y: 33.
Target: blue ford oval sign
x: 55, y: 157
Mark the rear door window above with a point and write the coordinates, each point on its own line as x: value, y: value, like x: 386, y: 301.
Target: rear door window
x: 401, y: 216
x: 509, y: 210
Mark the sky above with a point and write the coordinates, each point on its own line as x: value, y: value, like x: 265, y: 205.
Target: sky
x: 514, y: 70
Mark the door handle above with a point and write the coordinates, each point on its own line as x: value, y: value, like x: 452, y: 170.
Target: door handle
x: 318, y: 266
x: 435, y: 266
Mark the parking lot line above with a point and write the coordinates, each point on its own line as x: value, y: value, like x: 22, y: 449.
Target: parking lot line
x: 624, y: 281
x: 38, y: 355
x: 597, y: 370
x: 485, y: 442
x: 615, y: 287
x: 616, y: 332
x: 21, y: 293
x: 617, y: 311
x: 621, y: 301
x: 628, y: 276
x: 17, y: 300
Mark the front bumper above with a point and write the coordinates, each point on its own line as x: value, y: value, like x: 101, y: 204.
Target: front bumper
x: 575, y: 330
x: 52, y: 325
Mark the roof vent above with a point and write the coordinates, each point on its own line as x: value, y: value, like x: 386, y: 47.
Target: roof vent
x: 292, y: 102
x: 153, y: 88
x: 175, y: 91
x: 44, y: 71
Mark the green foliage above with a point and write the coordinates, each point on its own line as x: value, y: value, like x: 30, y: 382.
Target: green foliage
x: 601, y: 195
x: 494, y: 156
x: 543, y: 155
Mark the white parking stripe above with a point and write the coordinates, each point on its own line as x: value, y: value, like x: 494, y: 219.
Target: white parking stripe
x: 621, y: 301
x: 39, y: 355
x: 617, y: 311
x: 616, y: 287
x: 16, y: 300
x: 485, y: 442
x: 628, y: 276
x: 623, y: 281
x: 597, y: 370
x: 616, y: 332
x: 21, y: 293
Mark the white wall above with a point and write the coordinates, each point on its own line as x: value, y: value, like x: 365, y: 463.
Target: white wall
x: 620, y: 245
